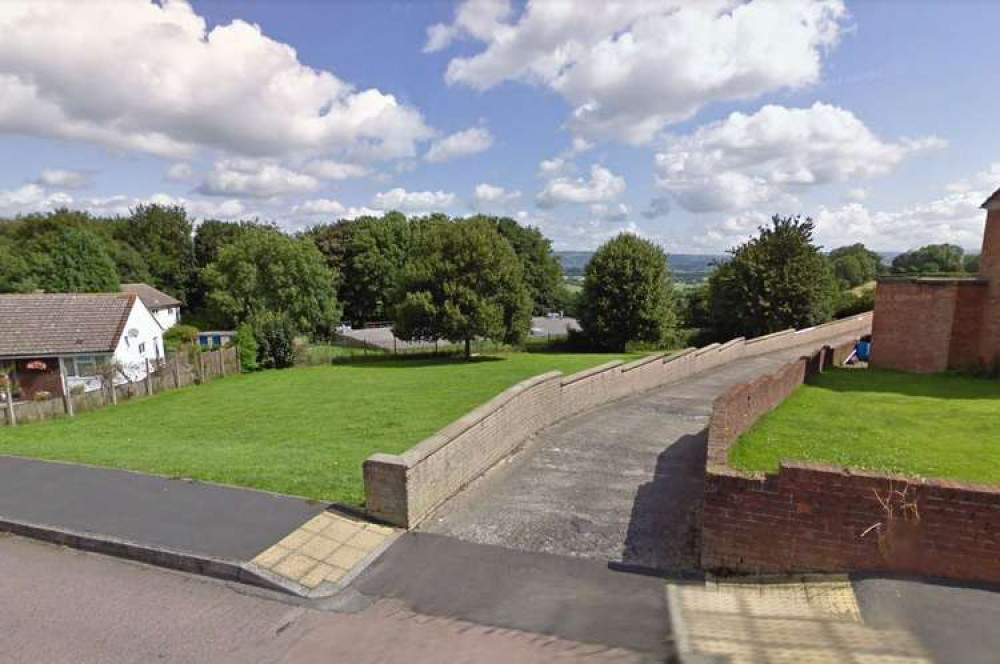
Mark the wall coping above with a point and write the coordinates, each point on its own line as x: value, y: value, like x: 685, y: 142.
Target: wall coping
x: 769, y: 337
x: 933, y: 281
x: 586, y: 373
x: 433, y: 443
x: 643, y: 361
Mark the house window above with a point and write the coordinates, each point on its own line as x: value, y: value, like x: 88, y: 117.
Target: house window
x: 83, y: 366
x: 142, y: 347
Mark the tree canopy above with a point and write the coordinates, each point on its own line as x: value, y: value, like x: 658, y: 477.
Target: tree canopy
x: 463, y: 281
x: 855, y: 265
x: 627, y: 294
x: 930, y: 259
x: 776, y: 280
x: 264, y: 270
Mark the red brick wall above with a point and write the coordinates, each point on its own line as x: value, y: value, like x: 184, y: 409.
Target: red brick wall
x: 967, y: 326
x: 818, y: 518
x: 912, y: 326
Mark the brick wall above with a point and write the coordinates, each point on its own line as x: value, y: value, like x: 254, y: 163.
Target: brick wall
x: 404, y: 489
x: 820, y: 518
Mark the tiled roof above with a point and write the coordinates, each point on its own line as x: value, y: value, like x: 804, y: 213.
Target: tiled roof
x: 153, y: 299
x: 62, y: 323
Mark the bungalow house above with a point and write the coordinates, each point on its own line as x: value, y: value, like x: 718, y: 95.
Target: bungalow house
x: 165, y: 309
x: 49, y: 338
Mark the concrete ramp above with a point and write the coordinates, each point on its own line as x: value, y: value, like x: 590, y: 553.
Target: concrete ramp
x: 621, y: 483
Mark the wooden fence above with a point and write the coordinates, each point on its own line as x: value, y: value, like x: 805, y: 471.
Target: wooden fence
x: 178, y: 370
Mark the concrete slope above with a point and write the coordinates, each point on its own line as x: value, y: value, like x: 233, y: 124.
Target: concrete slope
x: 621, y: 483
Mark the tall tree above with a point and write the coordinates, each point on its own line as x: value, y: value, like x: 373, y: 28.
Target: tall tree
x: 627, y: 294
x: 463, y: 281
x: 162, y: 236
x: 264, y: 270
x: 78, y: 263
x: 542, y: 271
x: 776, y: 280
x: 374, y: 256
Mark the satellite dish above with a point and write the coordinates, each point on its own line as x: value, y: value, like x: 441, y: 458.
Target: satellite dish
x: 133, y: 333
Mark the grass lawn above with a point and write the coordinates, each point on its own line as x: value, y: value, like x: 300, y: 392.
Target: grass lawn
x: 302, y: 431
x: 928, y: 426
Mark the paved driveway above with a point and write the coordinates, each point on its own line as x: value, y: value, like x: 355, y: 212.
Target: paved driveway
x: 621, y: 483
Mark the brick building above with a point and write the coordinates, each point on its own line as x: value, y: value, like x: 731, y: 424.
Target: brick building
x: 926, y: 325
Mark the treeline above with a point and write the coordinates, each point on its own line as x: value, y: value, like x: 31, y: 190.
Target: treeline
x: 455, y: 278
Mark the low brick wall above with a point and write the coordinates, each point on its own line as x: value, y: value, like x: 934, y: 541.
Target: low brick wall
x: 404, y: 489
x: 821, y: 518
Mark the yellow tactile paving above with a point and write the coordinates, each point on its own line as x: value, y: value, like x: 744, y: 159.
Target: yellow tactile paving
x: 323, y: 549
x: 785, y: 623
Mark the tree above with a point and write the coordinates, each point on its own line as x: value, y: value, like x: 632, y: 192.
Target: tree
x: 930, y: 259
x: 162, y: 236
x: 627, y: 294
x: 777, y: 280
x: 264, y: 270
x: 376, y: 251
x: 971, y: 264
x: 463, y: 281
x: 855, y: 265
x: 78, y: 263
x: 15, y: 275
x: 542, y: 271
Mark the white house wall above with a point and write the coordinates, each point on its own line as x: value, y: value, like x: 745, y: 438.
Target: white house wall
x: 168, y: 317
x: 150, y: 335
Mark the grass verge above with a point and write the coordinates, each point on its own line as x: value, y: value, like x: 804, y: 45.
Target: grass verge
x: 302, y: 431
x: 928, y: 426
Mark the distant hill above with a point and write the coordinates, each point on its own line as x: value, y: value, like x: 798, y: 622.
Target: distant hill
x: 686, y: 268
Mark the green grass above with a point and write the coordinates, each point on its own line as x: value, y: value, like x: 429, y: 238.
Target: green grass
x: 302, y: 431
x: 941, y: 426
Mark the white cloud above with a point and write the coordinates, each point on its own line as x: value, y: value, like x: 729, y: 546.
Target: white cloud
x: 318, y: 207
x: 412, y: 201
x: 31, y: 198
x: 614, y: 212
x: 196, y: 208
x: 858, y: 194
x: 140, y: 76
x: 954, y: 218
x: 487, y: 195
x: 335, y: 170
x: 630, y: 68
x: 548, y: 168
x: 63, y: 179
x: 460, y: 144
x: 180, y: 172
x: 603, y: 186
x: 243, y: 177
x: 746, y: 160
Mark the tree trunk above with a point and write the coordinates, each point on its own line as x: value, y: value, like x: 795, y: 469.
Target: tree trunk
x: 468, y: 348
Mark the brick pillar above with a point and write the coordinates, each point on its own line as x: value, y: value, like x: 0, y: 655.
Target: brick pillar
x: 989, y: 271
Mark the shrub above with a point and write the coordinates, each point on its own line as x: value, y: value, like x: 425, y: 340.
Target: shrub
x: 849, y: 304
x: 275, y: 336
x: 178, y: 336
x: 246, y: 343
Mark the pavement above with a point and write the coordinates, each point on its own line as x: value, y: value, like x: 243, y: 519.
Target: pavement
x: 200, y: 518
x: 621, y: 483
x: 258, y: 537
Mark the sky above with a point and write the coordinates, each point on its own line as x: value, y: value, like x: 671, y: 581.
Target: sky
x: 689, y: 123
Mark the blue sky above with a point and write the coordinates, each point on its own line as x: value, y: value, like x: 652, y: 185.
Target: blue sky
x: 689, y: 123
